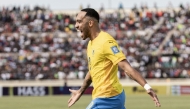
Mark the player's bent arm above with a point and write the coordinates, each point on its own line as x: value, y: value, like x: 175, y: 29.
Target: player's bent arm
x: 76, y: 94
x: 86, y: 83
x: 135, y: 75
x: 131, y: 72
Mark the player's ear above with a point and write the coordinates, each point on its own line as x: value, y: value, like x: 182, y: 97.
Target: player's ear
x: 91, y: 23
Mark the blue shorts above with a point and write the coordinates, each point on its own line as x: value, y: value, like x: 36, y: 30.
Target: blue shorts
x: 116, y: 102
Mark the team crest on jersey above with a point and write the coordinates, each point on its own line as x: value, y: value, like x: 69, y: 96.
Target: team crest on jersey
x: 89, y: 63
x: 92, y: 52
x: 88, y: 59
x: 115, y: 49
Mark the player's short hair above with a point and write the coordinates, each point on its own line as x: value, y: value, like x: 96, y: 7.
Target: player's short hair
x: 91, y: 13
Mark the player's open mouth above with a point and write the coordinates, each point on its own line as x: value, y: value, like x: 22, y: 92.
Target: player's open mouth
x: 80, y: 32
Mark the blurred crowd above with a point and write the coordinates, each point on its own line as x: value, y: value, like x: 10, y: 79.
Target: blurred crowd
x: 40, y: 44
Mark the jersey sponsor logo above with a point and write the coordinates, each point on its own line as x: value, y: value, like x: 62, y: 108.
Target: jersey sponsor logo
x: 115, y: 49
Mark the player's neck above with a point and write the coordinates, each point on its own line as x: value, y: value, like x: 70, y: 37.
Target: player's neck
x: 94, y: 33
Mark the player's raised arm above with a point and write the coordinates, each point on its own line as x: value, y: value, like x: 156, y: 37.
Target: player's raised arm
x: 135, y: 75
x: 76, y: 94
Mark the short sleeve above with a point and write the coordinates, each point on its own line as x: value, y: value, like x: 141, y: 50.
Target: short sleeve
x: 113, y: 52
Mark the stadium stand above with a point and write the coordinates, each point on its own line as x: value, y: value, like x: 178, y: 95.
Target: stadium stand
x: 39, y: 43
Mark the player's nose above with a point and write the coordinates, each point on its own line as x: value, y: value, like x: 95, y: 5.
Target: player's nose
x: 76, y: 26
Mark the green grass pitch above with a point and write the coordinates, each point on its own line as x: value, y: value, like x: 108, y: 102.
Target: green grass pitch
x: 60, y: 102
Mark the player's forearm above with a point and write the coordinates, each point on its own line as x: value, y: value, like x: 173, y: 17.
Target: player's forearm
x: 131, y: 72
x: 86, y: 83
x: 137, y: 77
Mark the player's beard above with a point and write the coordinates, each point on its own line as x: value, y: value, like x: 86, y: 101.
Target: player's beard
x: 86, y: 33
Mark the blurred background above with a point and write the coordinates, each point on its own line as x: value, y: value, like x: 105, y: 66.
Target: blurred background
x: 41, y: 51
x: 38, y: 39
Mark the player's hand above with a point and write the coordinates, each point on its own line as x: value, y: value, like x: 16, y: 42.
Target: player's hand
x: 154, y: 97
x: 74, y: 97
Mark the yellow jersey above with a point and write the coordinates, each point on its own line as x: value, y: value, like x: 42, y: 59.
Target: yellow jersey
x: 103, y: 54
